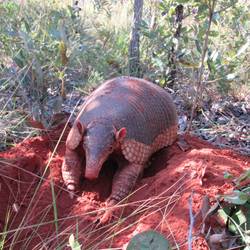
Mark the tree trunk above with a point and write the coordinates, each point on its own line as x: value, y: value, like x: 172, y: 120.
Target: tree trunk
x: 134, y: 48
x: 172, y: 57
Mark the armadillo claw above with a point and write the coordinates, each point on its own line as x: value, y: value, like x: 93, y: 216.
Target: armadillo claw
x: 104, y: 218
x: 70, y: 175
x: 71, y: 170
x: 71, y: 187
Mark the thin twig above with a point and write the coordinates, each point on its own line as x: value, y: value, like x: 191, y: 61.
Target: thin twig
x: 192, y: 219
x: 225, y: 8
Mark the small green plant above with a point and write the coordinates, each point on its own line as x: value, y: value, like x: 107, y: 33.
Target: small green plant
x: 148, y: 240
x: 73, y: 243
x: 5, y: 229
x: 235, y: 211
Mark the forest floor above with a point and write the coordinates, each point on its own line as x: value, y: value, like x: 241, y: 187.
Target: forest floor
x: 161, y: 200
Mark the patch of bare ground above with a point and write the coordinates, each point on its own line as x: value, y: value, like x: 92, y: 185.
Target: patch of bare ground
x: 30, y: 175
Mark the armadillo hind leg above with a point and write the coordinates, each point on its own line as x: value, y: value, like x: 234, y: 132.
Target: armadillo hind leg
x: 71, y: 169
x: 123, y: 183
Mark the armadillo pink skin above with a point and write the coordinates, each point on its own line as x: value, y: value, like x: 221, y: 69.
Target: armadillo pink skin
x: 144, y: 109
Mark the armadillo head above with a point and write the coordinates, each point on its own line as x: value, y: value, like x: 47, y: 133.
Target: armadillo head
x: 100, y: 140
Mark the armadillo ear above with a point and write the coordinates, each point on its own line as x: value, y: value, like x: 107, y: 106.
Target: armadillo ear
x: 80, y: 127
x: 75, y: 136
x: 120, y: 134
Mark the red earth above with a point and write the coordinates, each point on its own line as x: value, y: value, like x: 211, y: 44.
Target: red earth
x: 30, y: 176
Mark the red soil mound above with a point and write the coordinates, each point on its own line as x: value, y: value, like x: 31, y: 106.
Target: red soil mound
x: 31, y: 176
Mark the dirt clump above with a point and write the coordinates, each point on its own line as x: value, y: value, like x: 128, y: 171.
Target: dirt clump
x: 37, y: 211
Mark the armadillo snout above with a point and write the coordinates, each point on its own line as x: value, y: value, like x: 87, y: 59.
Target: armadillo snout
x: 91, y: 174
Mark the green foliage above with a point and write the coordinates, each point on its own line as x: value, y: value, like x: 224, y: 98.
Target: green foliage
x: 227, y: 175
x: 13, y: 129
x: 73, y: 243
x: 236, y: 209
x: 49, y: 44
x: 34, y: 37
x: 5, y: 229
x: 227, y: 59
x: 237, y: 197
x: 148, y: 240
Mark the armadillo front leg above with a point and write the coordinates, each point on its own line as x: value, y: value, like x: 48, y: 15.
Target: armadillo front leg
x: 71, y: 169
x: 123, y: 182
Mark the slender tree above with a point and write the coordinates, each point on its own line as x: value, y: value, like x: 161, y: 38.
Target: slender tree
x: 211, y: 9
x: 172, y: 56
x: 134, y: 48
